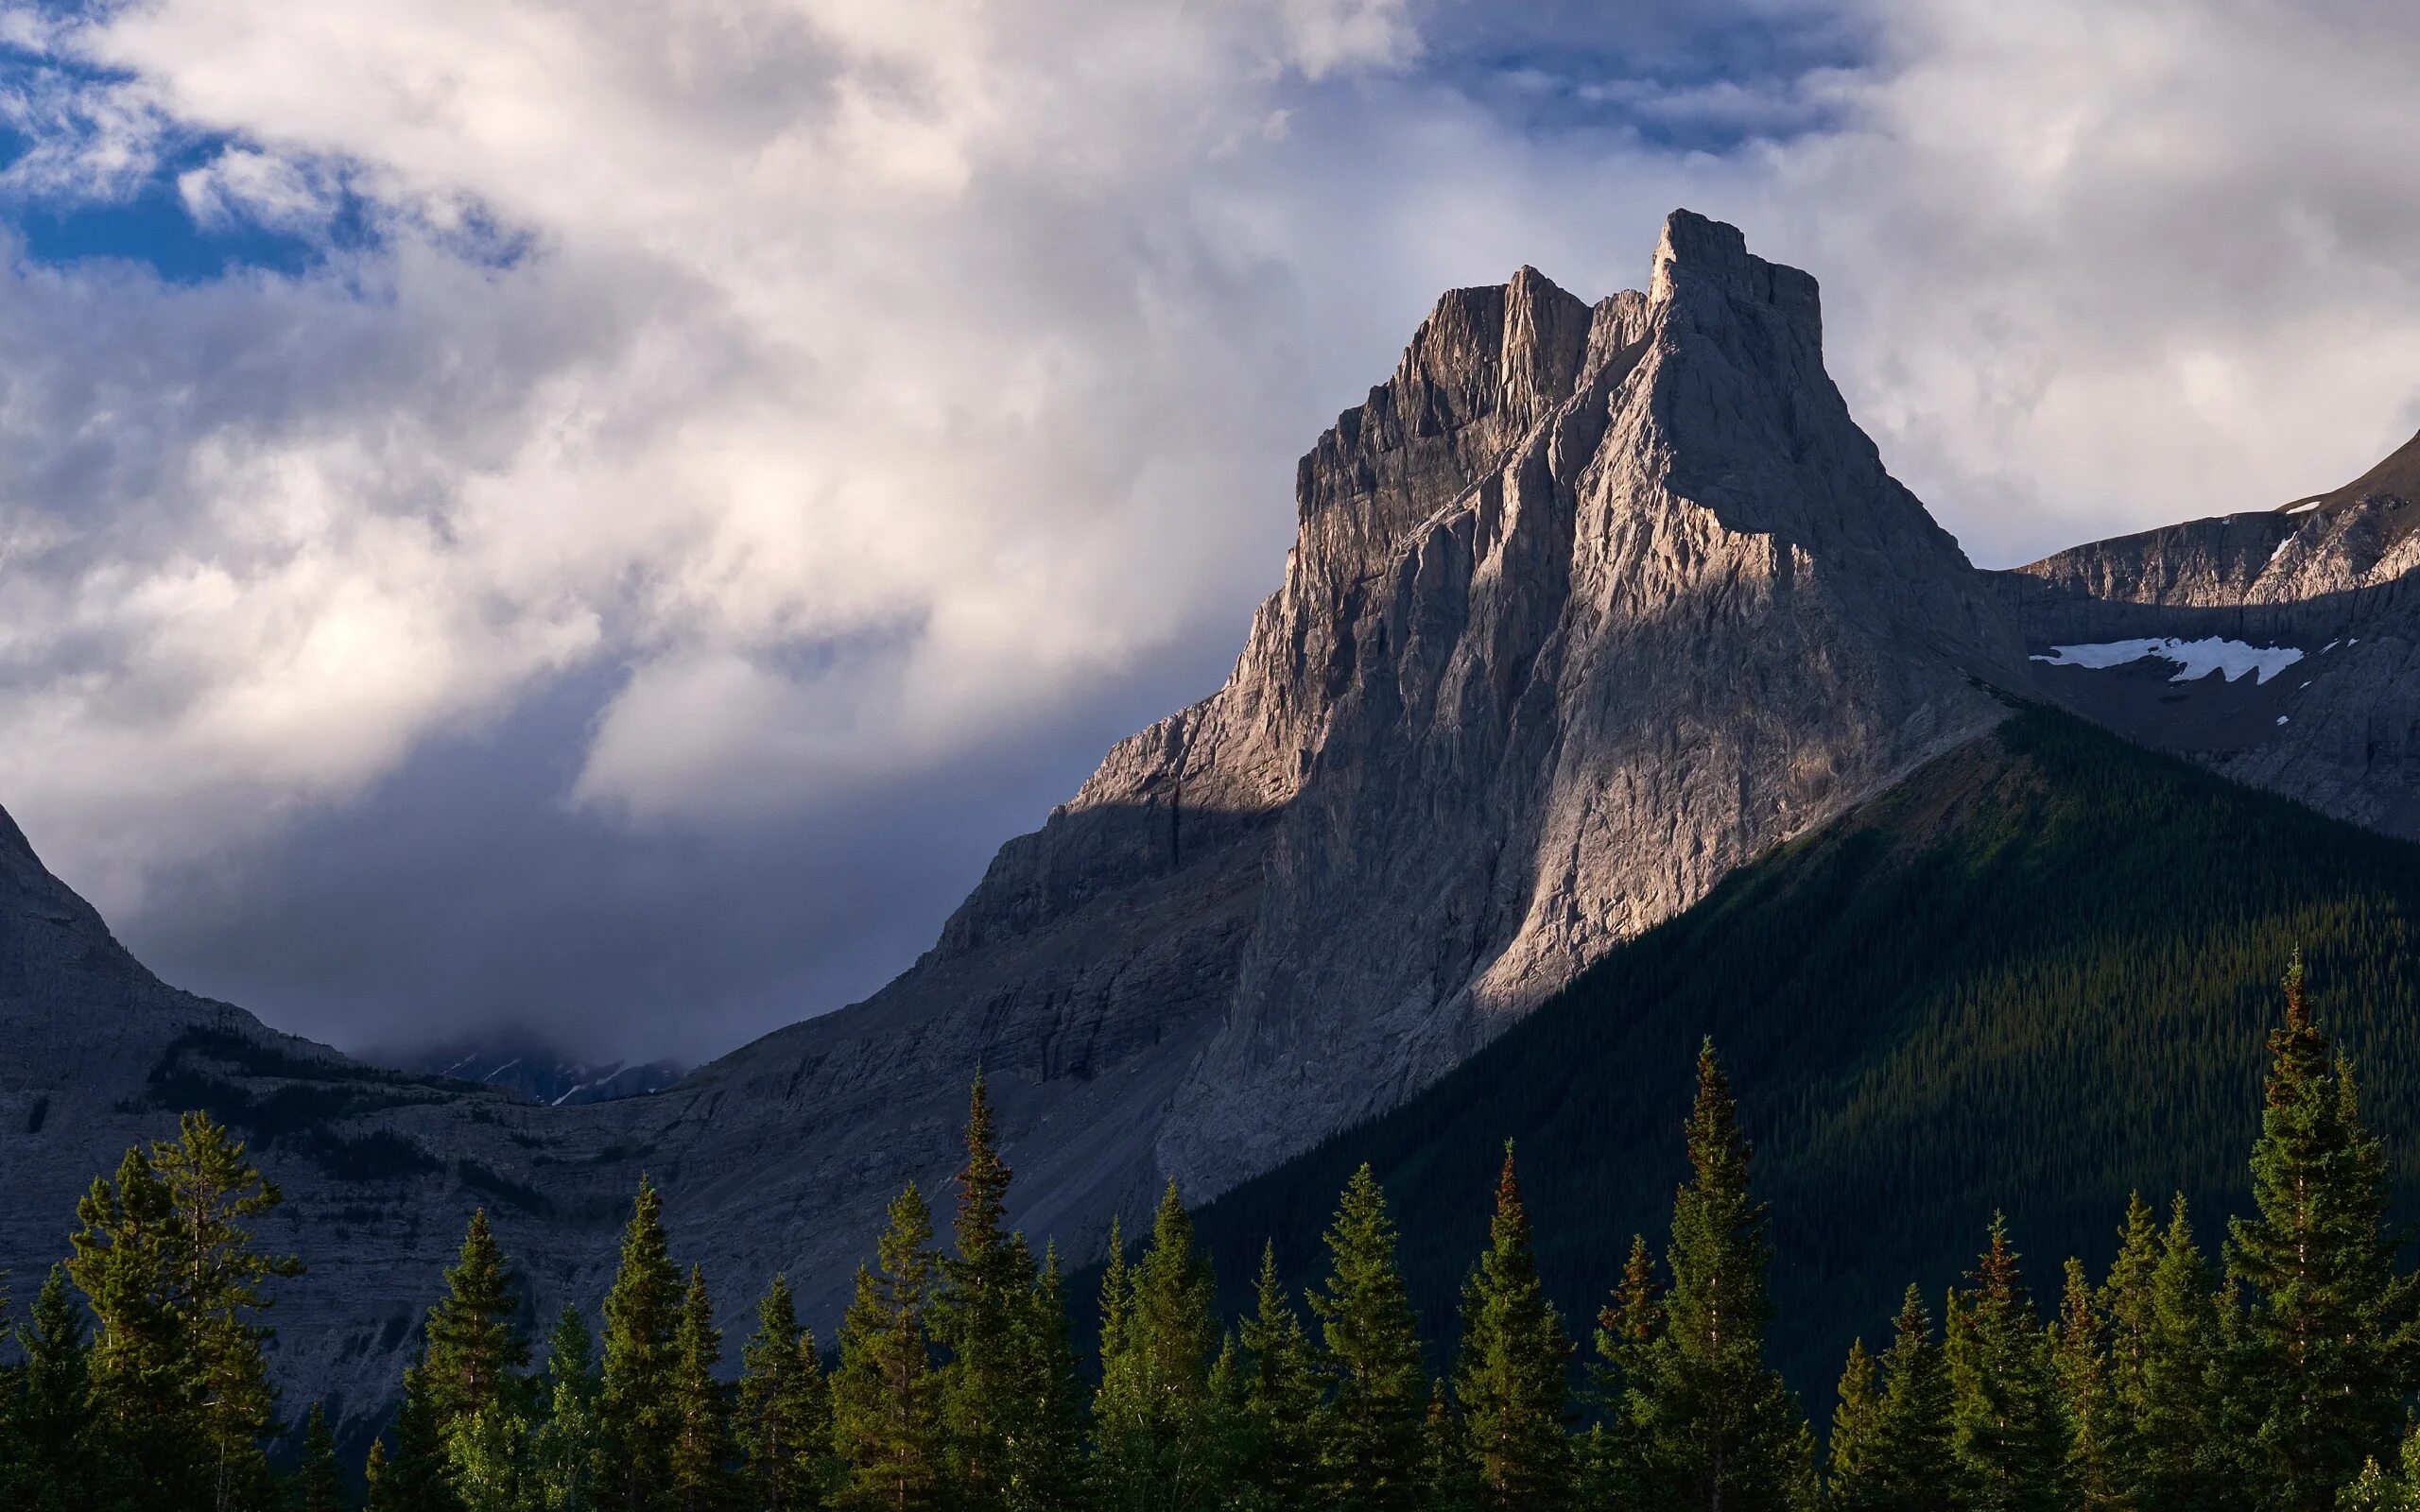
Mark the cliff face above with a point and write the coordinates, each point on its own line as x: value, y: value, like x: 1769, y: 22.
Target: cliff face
x: 1589, y: 604
x: 2332, y: 578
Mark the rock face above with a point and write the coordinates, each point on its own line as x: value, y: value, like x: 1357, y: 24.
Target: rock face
x: 1590, y: 605
x: 2332, y: 575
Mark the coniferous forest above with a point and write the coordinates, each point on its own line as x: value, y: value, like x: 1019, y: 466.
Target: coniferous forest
x: 2268, y: 1364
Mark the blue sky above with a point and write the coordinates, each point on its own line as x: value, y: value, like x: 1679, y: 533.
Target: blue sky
x: 601, y: 519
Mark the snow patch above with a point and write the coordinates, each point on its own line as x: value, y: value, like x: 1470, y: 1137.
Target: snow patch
x: 2194, y: 658
x: 2307, y: 507
x: 2281, y: 718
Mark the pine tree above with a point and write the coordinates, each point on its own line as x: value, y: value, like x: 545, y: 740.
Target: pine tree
x: 886, y: 1401
x: 562, y: 1451
x: 2126, y: 1306
x: 318, y: 1481
x: 1160, y: 1430
x: 986, y: 1284
x: 699, y: 1464
x: 2096, y: 1465
x: 1854, y: 1464
x: 52, y: 1431
x: 1045, y: 1460
x: 1723, y: 1431
x: 141, y: 1384
x: 2006, y: 1431
x: 1512, y: 1379
x: 1449, y: 1474
x: 2181, y: 1448
x: 1280, y: 1397
x: 1614, y: 1470
x: 1914, y: 1463
x: 1370, y: 1431
x: 784, y: 1424
x: 634, y: 1424
x: 412, y: 1476
x: 476, y: 1352
x: 2331, y: 1330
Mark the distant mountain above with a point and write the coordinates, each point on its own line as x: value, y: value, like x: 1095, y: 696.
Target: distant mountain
x: 535, y: 1069
x: 1590, y: 606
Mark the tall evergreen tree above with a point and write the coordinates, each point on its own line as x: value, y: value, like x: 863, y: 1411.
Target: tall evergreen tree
x: 886, y: 1400
x: 784, y: 1424
x: 1512, y: 1378
x: 635, y: 1428
x: 318, y: 1480
x: 1854, y: 1467
x: 1913, y: 1461
x: 2126, y: 1306
x: 2006, y: 1429
x: 412, y: 1476
x: 1614, y: 1470
x: 52, y: 1431
x: 1448, y: 1475
x: 1046, y: 1459
x: 563, y: 1452
x: 985, y: 1286
x: 2181, y: 1434
x: 1723, y: 1431
x: 475, y: 1351
x: 1159, y: 1428
x: 1280, y: 1397
x: 1369, y: 1430
x: 2331, y: 1333
x: 2098, y: 1467
x: 700, y: 1467
x: 140, y: 1378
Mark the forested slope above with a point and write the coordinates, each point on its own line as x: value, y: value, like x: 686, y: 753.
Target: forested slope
x: 2033, y: 977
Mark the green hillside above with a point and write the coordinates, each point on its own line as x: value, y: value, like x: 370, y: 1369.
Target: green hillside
x: 2034, y: 976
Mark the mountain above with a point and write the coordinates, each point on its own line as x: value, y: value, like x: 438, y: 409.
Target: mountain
x: 534, y: 1068
x: 1590, y: 606
x: 2033, y: 977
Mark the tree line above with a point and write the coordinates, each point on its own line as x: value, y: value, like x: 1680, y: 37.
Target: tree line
x: 2277, y: 1378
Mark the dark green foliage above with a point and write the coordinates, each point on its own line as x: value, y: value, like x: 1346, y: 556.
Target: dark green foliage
x: 985, y: 1285
x: 407, y: 1467
x: 1161, y: 1433
x: 2330, y: 1324
x: 318, y: 1482
x: 1717, y: 1426
x: 1854, y: 1465
x: 1277, y: 1459
x: 886, y: 1397
x: 699, y: 1471
x: 1914, y: 1462
x: 2006, y: 1433
x: 52, y: 1437
x: 1511, y: 1377
x: 563, y: 1452
x: 2181, y: 1410
x: 1045, y: 1461
x: 1370, y: 1440
x: 783, y: 1421
x: 2099, y: 1468
x: 2033, y: 975
x: 635, y: 1427
x: 476, y: 1352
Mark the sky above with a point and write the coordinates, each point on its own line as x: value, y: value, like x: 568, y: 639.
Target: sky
x: 597, y: 517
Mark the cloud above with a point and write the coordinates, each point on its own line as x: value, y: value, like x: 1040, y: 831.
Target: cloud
x: 735, y: 423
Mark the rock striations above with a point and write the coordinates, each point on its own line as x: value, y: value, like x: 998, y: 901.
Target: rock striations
x: 1590, y: 604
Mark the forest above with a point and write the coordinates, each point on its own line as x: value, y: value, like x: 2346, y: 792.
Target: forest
x: 2272, y: 1369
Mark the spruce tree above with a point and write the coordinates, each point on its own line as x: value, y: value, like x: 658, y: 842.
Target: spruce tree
x: 412, y: 1476
x: 563, y: 1452
x: 143, y: 1427
x: 1280, y: 1397
x: 1045, y: 1460
x: 2006, y: 1431
x: 2181, y: 1434
x: 476, y: 1351
x: 886, y: 1401
x: 1613, y: 1468
x: 1512, y: 1378
x: 1853, y: 1471
x: 318, y: 1480
x: 699, y: 1464
x: 2098, y: 1465
x: 1721, y: 1430
x: 1370, y: 1431
x: 1160, y: 1430
x: 2330, y: 1321
x: 634, y: 1424
x: 784, y: 1424
x: 1913, y: 1459
x: 53, y: 1431
x: 985, y: 1285
x: 1448, y: 1473
x: 2126, y: 1306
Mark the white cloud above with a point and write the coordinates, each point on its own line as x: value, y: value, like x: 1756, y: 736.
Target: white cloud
x: 863, y: 378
